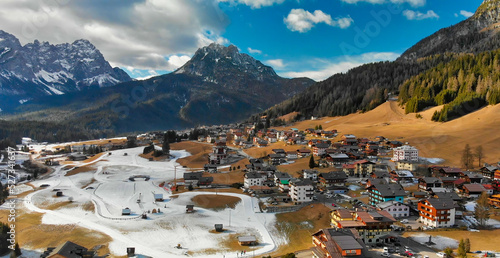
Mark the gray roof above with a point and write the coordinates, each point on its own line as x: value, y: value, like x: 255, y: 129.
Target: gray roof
x: 193, y: 175
x: 247, y: 238
x: 322, y: 145
x: 450, y: 195
x: 282, y: 175
x: 441, y: 204
x: 333, y: 175
x: 253, y: 175
x: 71, y: 250
x: 384, y: 205
x: 346, y: 242
x: 387, y: 190
x: 339, y: 156
x: 431, y: 180
x: 303, y: 182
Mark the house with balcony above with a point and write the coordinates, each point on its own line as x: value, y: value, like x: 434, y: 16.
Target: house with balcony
x: 371, y: 226
x: 437, y: 212
x: 332, y: 178
x: 253, y: 179
x: 396, y: 209
x: 406, y: 152
x: 301, y: 191
x: 426, y: 183
x: 385, y: 192
x: 332, y: 242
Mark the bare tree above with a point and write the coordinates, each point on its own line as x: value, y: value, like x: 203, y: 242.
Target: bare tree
x: 482, y: 209
x: 467, y: 157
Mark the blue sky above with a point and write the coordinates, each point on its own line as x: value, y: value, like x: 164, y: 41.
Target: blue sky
x: 313, y: 38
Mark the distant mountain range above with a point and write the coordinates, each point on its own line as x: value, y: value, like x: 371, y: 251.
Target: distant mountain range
x: 41, y: 69
x: 218, y: 85
x: 425, y: 74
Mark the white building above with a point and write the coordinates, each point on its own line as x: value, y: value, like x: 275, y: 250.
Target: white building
x: 253, y: 178
x: 311, y: 174
x: 26, y: 141
x: 396, y: 209
x: 301, y: 191
x: 405, y: 152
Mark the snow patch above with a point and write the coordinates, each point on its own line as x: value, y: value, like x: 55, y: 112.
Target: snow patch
x: 22, y: 101
x: 55, y: 91
x: 440, y: 242
x: 5, y: 51
x: 433, y: 160
x: 470, y: 206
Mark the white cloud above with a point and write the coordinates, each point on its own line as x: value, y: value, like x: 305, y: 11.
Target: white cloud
x: 143, y: 34
x: 276, y: 63
x: 327, y: 68
x: 254, y: 51
x: 416, y: 15
x: 414, y: 3
x: 302, y: 21
x: 466, y: 14
x: 254, y: 4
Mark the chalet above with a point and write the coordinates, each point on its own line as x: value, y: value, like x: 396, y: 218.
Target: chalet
x: 290, y: 155
x: 402, y: 176
x: 205, y: 181
x: 371, y: 181
x: 69, y: 250
x: 276, y: 159
x: 349, y: 139
x: 407, y: 165
x: 192, y: 178
x: 472, y: 177
x: 396, y: 209
x: 247, y: 240
x: 386, y: 192
x: 189, y: 208
x: 488, y: 171
x: 303, y: 153
x: 264, y: 189
x: 338, y: 243
x: 371, y: 226
x: 320, y: 149
x: 262, y: 143
x: 349, y: 169
x: 494, y: 201
x: 448, y: 195
x: 158, y: 197
x: 310, y: 174
x: 497, y: 175
x: 473, y: 190
x: 210, y: 168
x: 437, y: 212
x: 328, y: 134
x: 278, y: 176
x: 335, y: 189
x: 394, y: 144
x: 425, y: 183
x: 448, y: 182
x: 279, y: 151
x: 337, y: 159
x: 253, y: 178
x: 332, y: 178
x: 271, y: 137
x: 301, y: 191
x: 489, y: 189
x: 450, y: 172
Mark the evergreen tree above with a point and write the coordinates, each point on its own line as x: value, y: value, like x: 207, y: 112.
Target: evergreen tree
x: 190, y: 187
x: 166, y: 145
x: 17, y: 250
x: 311, y: 162
x: 448, y: 251
x: 461, y: 249
x: 482, y: 209
x: 467, y: 245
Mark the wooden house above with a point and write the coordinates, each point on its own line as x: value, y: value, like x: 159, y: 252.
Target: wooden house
x: 219, y: 227
x: 189, y: 208
x: 247, y: 240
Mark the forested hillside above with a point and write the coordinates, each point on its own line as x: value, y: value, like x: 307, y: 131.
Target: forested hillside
x: 463, y: 85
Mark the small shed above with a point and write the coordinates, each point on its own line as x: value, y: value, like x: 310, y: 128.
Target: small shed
x: 189, y: 208
x: 159, y: 197
x: 126, y: 211
x: 130, y: 251
x: 219, y: 228
x: 59, y: 193
x: 247, y: 240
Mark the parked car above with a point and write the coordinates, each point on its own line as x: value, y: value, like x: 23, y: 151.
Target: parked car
x: 404, y: 221
x: 441, y: 254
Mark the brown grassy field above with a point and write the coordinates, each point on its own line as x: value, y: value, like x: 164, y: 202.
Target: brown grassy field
x: 257, y: 152
x: 198, y: 150
x: 32, y: 234
x: 484, y: 240
x: 437, y: 140
x: 299, y: 235
x: 226, y: 178
x: 210, y: 201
